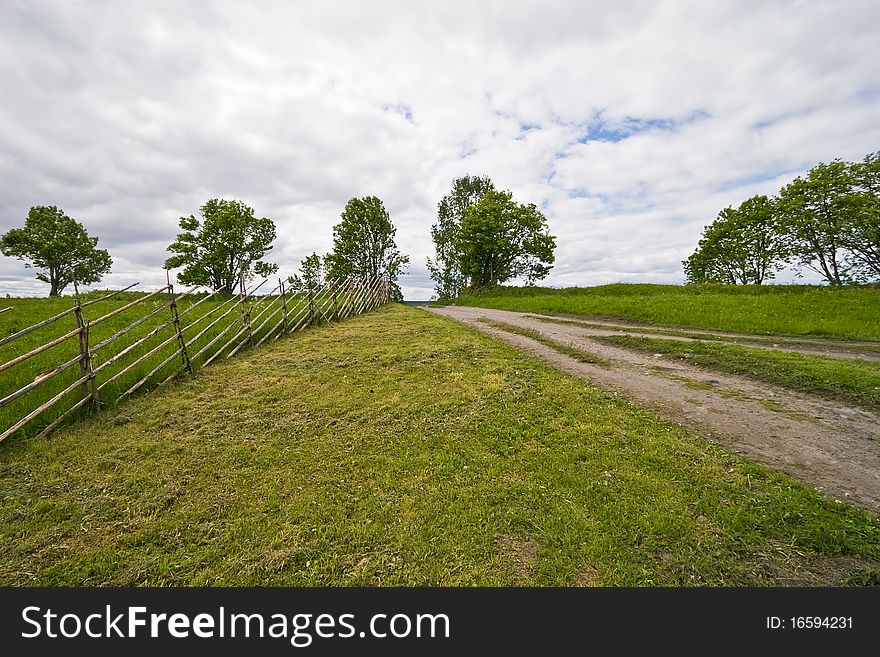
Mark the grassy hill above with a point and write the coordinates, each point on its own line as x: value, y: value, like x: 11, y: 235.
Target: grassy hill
x: 769, y: 309
x: 196, y: 313
x: 400, y: 448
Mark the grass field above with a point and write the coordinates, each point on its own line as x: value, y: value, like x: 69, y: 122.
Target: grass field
x: 432, y: 456
x: 567, y: 349
x: 854, y: 382
x: 849, y: 313
x: 29, y: 311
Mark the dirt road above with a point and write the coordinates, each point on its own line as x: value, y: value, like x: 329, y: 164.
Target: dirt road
x: 826, y: 444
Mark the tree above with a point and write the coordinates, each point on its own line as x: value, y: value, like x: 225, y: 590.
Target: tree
x: 311, y: 276
x: 52, y: 241
x: 815, y: 212
x: 363, y: 245
x: 229, y: 241
x: 862, y: 233
x: 445, y: 267
x: 499, y: 239
x: 743, y: 245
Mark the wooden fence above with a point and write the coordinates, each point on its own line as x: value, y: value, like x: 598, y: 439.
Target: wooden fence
x: 172, y: 335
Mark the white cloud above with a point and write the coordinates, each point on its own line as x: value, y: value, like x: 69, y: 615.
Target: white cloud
x: 129, y: 115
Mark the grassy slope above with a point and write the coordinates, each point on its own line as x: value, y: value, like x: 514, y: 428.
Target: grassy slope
x: 29, y: 311
x: 854, y: 382
x: 790, y: 310
x: 402, y: 448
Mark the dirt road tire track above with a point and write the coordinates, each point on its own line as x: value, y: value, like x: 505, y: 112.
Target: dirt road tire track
x: 833, y: 447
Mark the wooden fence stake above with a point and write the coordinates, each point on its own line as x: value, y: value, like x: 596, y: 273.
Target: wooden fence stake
x: 175, y: 317
x: 85, y: 363
x: 311, y: 306
x: 245, y: 309
x: 283, y: 305
x: 335, y: 300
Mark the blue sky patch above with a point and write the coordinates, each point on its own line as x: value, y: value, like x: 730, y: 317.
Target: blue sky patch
x: 600, y: 130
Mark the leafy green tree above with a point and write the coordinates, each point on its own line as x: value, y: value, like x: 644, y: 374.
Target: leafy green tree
x: 445, y: 268
x: 59, y: 245
x: 815, y: 214
x: 743, y: 245
x: 228, y: 241
x: 363, y: 245
x: 311, y: 276
x: 499, y: 239
x: 706, y: 264
x: 862, y: 233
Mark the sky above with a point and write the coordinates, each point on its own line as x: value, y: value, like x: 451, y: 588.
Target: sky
x: 630, y: 124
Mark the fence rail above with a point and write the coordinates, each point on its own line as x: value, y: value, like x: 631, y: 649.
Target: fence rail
x: 153, y: 339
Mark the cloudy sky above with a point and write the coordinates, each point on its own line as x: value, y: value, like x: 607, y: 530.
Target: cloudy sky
x: 629, y: 123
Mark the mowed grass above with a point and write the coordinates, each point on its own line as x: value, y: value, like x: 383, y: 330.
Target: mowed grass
x: 401, y: 448
x: 29, y: 311
x: 849, y: 313
x: 851, y: 381
x: 567, y: 349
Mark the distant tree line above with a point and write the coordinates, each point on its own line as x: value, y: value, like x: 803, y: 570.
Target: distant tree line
x: 827, y: 221
x: 225, y: 244
x: 229, y: 243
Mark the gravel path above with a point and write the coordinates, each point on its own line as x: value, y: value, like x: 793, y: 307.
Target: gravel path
x: 833, y: 447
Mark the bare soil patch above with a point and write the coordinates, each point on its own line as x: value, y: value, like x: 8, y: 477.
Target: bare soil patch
x: 521, y: 553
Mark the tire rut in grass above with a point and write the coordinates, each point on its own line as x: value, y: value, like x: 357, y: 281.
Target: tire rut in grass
x: 826, y: 444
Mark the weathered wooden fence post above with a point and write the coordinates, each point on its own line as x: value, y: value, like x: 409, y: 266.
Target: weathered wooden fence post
x: 283, y: 306
x: 245, y: 308
x: 335, y: 300
x: 175, y: 317
x: 311, y: 304
x: 85, y: 362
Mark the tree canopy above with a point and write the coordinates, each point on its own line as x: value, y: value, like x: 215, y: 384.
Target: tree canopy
x: 227, y: 242
x: 445, y: 268
x: 499, y: 239
x: 364, y: 246
x: 815, y: 211
x: 862, y: 231
x: 311, y: 274
x: 827, y: 220
x: 483, y: 237
x: 743, y: 245
x: 60, y: 246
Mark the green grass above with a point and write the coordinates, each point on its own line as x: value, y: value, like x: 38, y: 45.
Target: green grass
x: 714, y: 337
x: 640, y: 329
x: 29, y: 311
x: 851, y: 381
x: 401, y: 448
x: 849, y: 313
x: 561, y: 347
